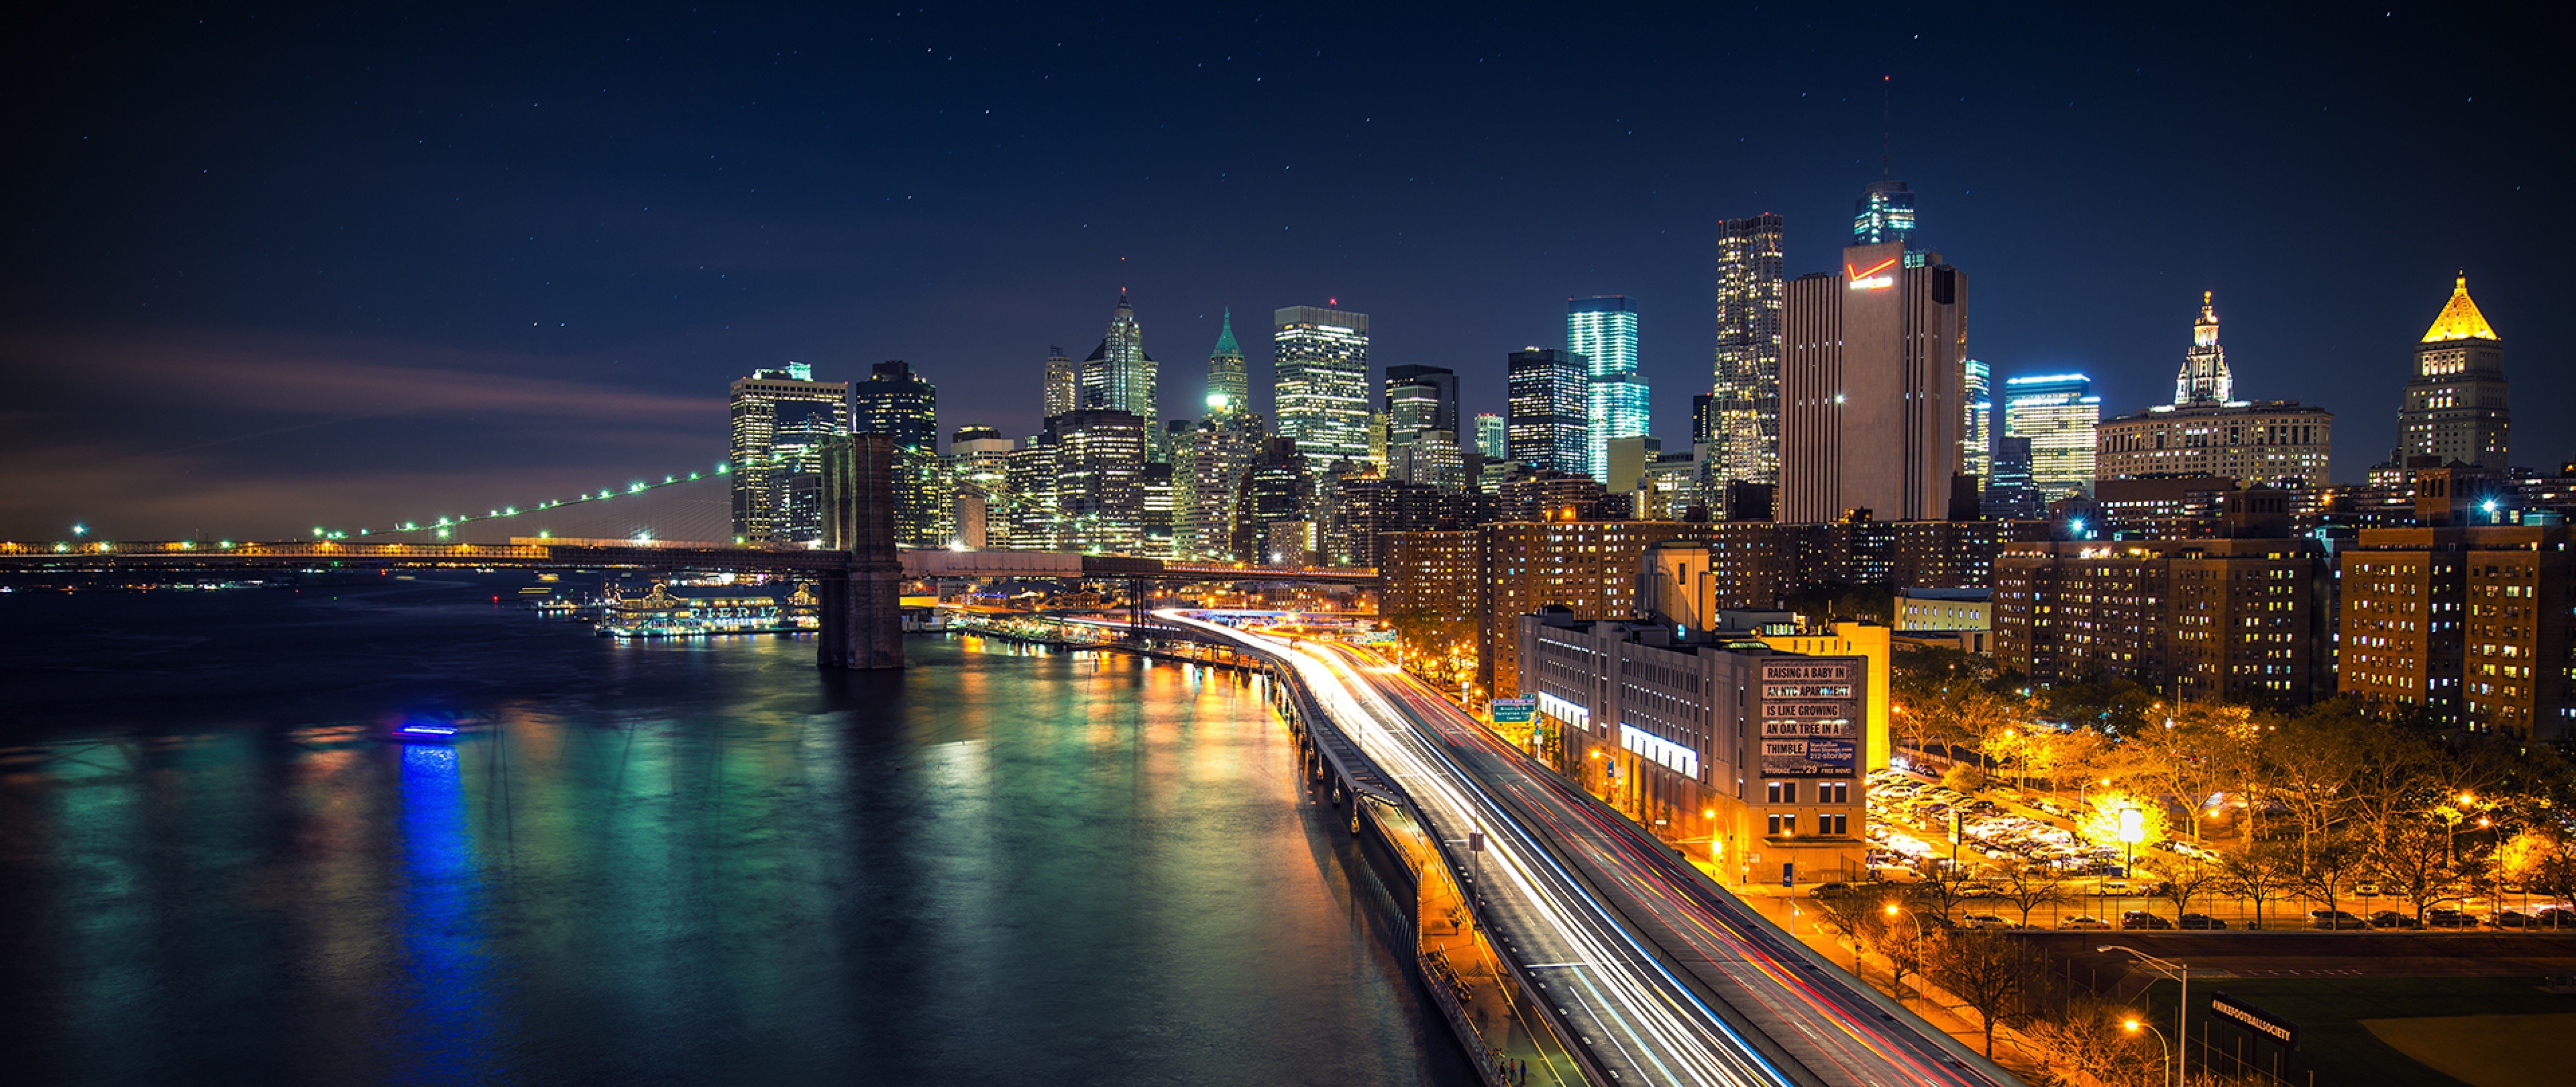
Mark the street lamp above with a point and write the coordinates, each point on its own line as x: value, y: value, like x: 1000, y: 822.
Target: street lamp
x: 2182, y: 1010
x: 2133, y: 1026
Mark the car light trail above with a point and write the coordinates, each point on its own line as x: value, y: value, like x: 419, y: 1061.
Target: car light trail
x: 1630, y: 1009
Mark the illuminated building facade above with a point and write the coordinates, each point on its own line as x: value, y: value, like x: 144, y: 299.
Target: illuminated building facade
x: 1751, y: 291
x: 1752, y: 754
x: 1433, y: 599
x: 2205, y: 378
x: 1277, y: 489
x: 1323, y: 392
x: 1976, y: 419
x: 1229, y: 381
x: 780, y: 420
x: 1208, y: 465
x: 1099, y: 480
x: 1493, y: 438
x: 979, y: 469
x: 1550, y: 403
x: 2200, y: 620
x: 1063, y: 388
x: 1422, y: 427
x: 1603, y: 333
x: 898, y: 403
x: 1030, y: 506
x: 2059, y: 414
x: 1884, y: 215
x: 2473, y: 623
x: 2455, y: 405
x: 2207, y: 432
x: 1871, y: 386
x: 1118, y: 375
x: 1589, y: 567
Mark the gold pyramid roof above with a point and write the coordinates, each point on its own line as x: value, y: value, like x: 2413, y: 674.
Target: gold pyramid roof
x: 2460, y: 320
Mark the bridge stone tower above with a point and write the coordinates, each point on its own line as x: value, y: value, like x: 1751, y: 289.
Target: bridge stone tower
x: 862, y: 620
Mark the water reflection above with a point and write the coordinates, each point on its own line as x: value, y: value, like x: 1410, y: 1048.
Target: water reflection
x: 694, y: 862
x: 448, y: 1028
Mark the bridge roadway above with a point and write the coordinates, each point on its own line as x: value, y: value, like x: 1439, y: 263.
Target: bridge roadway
x: 1655, y: 972
x: 673, y: 555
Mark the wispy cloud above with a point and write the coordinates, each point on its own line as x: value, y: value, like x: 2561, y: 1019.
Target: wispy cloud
x: 267, y: 436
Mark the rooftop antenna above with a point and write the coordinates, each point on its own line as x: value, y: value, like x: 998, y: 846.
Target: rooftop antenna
x: 1886, y: 124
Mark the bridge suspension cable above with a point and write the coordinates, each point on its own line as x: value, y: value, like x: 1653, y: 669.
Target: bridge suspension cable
x: 452, y: 525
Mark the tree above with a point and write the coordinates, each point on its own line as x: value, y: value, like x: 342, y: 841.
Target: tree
x: 1853, y: 911
x: 2258, y: 873
x: 2543, y: 863
x: 1940, y: 891
x: 2414, y: 861
x: 2186, y: 879
x: 1995, y: 974
x: 2087, y: 1037
x: 2329, y: 867
x: 2028, y: 886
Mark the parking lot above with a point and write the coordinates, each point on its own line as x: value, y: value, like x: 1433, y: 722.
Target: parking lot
x: 1918, y: 825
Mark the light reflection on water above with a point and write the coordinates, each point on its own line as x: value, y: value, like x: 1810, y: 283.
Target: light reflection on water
x: 660, y: 862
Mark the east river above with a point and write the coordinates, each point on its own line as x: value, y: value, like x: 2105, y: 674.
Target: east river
x: 657, y: 862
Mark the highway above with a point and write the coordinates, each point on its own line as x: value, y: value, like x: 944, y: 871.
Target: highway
x: 1658, y: 974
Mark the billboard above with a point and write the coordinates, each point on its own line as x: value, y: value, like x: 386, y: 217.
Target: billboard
x: 1811, y: 718
x: 1513, y: 711
x: 1812, y: 757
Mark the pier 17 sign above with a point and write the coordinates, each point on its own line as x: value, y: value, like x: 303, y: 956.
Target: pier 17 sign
x: 1811, y: 715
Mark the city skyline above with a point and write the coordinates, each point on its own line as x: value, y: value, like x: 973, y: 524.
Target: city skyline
x: 575, y: 307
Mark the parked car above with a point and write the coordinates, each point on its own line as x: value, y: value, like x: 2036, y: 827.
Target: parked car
x: 1832, y: 888
x: 2509, y: 919
x: 2199, y: 921
x: 2555, y: 917
x: 2116, y: 887
x: 1985, y: 920
x: 2138, y: 919
x: 2334, y: 919
x: 2448, y: 918
x: 2393, y: 919
x: 2084, y: 921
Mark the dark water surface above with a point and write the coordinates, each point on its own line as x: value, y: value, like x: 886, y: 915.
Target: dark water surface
x: 680, y: 862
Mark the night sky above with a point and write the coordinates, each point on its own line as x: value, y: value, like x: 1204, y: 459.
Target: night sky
x: 271, y: 267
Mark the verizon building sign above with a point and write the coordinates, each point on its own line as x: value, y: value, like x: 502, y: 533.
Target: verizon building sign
x: 1811, y: 718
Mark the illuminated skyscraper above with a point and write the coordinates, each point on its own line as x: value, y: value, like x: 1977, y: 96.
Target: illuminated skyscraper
x: 979, y: 467
x: 1751, y: 275
x: 1119, y: 375
x: 1603, y: 333
x: 1420, y: 398
x: 2059, y: 414
x: 2455, y: 404
x: 1871, y: 388
x: 1976, y: 440
x: 1063, y: 388
x: 896, y: 402
x: 1551, y: 406
x: 1884, y: 214
x: 1207, y: 479
x: 1229, y: 382
x: 1099, y: 480
x: 780, y: 420
x: 2204, y: 378
x: 1323, y: 393
x: 1493, y: 441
